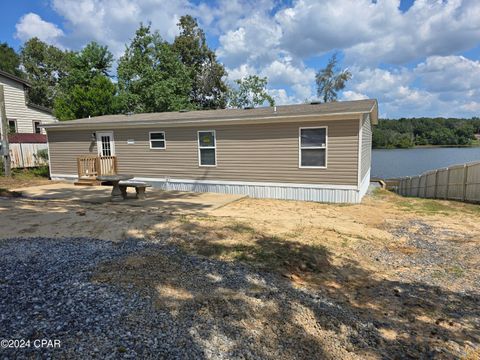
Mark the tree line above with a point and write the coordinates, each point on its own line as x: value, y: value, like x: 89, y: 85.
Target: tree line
x: 407, y: 133
x: 152, y: 75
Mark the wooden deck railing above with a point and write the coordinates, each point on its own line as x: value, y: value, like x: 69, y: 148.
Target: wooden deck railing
x: 91, y: 166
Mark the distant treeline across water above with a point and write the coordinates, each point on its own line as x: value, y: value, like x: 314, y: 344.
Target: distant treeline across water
x: 407, y: 133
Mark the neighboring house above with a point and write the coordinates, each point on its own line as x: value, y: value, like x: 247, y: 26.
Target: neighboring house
x: 23, y: 118
x: 316, y: 152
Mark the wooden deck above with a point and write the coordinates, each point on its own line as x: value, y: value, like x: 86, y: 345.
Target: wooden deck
x: 91, y: 166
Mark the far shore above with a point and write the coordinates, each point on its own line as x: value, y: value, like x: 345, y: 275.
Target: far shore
x: 475, y: 145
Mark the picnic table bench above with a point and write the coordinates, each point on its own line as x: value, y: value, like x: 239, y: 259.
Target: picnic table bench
x: 138, y: 185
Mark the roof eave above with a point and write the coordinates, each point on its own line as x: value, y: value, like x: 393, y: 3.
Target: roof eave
x: 190, y: 122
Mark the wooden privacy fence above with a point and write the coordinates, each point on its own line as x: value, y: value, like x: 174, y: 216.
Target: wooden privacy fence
x: 458, y: 182
x: 25, y: 155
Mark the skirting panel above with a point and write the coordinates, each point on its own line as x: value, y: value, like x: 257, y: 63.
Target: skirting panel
x: 329, y: 195
x: 323, y: 193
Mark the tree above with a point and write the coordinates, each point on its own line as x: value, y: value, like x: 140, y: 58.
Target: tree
x: 151, y: 77
x: 209, y: 90
x: 88, y: 90
x: 93, y: 99
x: 10, y: 60
x: 329, y: 80
x: 250, y: 93
x: 45, y: 66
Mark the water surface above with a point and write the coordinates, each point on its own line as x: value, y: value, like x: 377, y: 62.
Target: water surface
x: 408, y: 162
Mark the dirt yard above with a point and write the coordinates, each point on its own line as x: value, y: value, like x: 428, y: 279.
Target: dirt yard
x: 407, y: 269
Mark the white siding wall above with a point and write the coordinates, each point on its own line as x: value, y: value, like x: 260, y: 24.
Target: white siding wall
x: 17, y: 109
x: 366, y: 150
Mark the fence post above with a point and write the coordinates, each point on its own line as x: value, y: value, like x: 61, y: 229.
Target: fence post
x: 425, y: 186
x: 435, y: 185
x: 465, y: 175
x: 448, y: 183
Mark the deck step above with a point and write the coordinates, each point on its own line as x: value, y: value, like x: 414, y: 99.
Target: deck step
x: 87, y: 182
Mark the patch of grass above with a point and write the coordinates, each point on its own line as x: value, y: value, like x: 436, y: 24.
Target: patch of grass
x: 424, y: 206
x: 241, y: 228
x: 380, y: 193
x: 31, y: 173
x: 456, y: 271
x: 244, y: 243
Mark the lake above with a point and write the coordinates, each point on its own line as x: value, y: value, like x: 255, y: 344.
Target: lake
x: 407, y: 162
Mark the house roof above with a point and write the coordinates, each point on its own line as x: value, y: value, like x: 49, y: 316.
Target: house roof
x: 14, y: 78
x: 40, y: 107
x: 27, y: 138
x: 326, y: 110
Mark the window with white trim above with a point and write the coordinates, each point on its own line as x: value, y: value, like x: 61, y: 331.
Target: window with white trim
x: 313, y: 147
x: 207, y: 148
x: 157, y: 140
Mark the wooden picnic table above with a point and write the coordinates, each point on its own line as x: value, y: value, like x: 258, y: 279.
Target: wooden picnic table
x: 115, y: 179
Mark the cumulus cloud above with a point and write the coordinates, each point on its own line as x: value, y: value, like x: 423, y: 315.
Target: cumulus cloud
x: 113, y: 22
x: 433, y: 87
x: 31, y: 25
x: 408, y: 59
x: 449, y: 73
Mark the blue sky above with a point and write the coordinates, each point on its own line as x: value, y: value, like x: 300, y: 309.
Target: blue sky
x: 419, y: 58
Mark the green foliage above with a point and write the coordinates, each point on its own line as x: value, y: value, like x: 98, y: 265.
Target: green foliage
x: 45, y: 66
x: 251, y: 92
x: 41, y: 171
x: 43, y: 154
x: 405, y: 133
x: 93, y: 99
x: 209, y: 90
x: 10, y: 60
x: 151, y: 77
x: 329, y: 80
x: 87, y: 91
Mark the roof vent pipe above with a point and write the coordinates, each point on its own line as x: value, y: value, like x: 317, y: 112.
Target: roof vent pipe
x: 274, y: 109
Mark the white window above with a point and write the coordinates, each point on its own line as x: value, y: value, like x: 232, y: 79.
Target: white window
x: 157, y: 140
x: 313, y: 147
x: 207, y: 151
x: 36, y: 127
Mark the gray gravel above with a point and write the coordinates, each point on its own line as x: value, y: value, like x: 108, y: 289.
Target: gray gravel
x: 46, y: 293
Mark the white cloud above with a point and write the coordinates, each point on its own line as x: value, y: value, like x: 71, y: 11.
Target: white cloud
x: 281, y: 97
x: 437, y: 87
x: 352, y: 95
x: 278, y: 39
x: 449, y: 73
x: 113, y: 22
x: 31, y: 25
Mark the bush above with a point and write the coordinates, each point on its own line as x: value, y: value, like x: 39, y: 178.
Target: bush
x: 41, y: 171
x: 43, y: 154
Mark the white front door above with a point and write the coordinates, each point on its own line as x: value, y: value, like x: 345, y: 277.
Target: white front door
x: 105, y: 143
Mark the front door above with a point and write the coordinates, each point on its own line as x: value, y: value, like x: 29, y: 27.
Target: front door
x: 105, y: 144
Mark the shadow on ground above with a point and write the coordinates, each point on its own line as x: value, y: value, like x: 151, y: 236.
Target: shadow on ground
x: 350, y: 312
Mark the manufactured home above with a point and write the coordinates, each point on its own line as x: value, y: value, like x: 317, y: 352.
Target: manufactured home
x: 313, y: 152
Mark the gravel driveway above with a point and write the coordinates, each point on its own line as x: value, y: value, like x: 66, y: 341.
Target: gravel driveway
x: 83, y: 292
x: 46, y: 293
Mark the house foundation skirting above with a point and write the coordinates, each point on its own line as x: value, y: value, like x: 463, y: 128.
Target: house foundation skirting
x: 306, y: 192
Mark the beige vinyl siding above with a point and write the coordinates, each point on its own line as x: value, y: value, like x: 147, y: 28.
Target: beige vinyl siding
x: 17, y: 109
x: 261, y: 152
x: 366, y: 151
